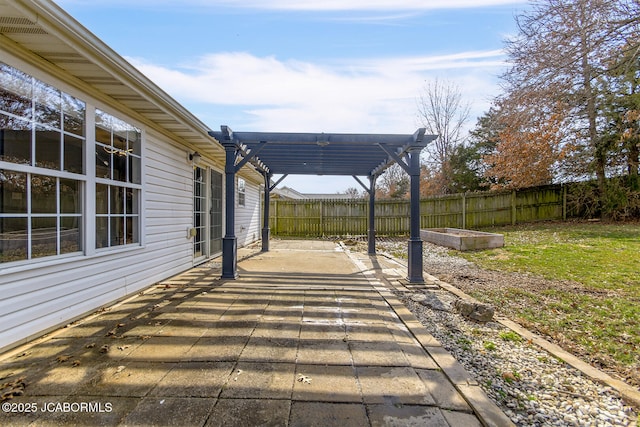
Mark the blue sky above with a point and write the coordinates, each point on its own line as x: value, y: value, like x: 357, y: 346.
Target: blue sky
x: 309, y: 65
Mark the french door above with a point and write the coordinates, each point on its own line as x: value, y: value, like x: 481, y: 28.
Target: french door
x: 207, y: 213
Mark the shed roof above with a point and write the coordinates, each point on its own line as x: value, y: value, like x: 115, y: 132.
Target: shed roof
x: 323, y: 153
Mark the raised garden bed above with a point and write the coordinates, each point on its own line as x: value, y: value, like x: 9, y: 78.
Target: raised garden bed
x: 462, y: 240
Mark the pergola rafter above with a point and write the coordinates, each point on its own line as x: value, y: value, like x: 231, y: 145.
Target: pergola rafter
x: 357, y: 155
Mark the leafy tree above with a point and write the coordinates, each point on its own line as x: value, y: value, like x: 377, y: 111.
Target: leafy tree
x: 467, y: 165
x: 529, y: 147
x: 622, y: 112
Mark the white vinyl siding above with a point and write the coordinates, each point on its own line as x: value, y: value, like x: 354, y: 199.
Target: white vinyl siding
x: 248, y: 216
x: 37, y: 299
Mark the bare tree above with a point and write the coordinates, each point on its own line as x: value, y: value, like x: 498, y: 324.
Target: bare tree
x: 354, y: 193
x: 442, y: 111
x: 393, y: 183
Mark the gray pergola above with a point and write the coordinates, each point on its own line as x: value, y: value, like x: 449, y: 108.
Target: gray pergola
x: 358, y: 155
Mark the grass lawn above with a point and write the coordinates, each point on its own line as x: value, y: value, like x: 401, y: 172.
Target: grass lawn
x: 593, y: 307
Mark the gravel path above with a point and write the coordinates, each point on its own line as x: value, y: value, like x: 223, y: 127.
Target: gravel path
x: 529, y: 384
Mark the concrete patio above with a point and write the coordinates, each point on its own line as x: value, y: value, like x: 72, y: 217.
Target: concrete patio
x: 309, y: 335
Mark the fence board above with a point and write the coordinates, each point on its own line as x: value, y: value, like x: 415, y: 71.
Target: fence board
x: 316, y: 218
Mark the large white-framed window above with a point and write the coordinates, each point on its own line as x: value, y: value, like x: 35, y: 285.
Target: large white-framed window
x: 118, y: 147
x: 42, y: 145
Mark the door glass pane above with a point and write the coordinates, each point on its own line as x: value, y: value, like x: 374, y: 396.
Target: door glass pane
x: 215, y: 213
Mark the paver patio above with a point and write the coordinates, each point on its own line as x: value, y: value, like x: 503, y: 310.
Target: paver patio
x: 309, y: 335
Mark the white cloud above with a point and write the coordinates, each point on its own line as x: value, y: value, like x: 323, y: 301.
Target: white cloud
x: 251, y: 93
x: 372, y: 95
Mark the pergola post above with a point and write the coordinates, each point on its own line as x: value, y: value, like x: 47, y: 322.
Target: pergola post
x: 372, y: 215
x: 229, y: 241
x: 266, y: 231
x: 415, y: 274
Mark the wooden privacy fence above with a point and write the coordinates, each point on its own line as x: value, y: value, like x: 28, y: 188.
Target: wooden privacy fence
x: 316, y: 218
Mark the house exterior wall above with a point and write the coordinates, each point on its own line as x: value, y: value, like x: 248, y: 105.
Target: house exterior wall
x: 248, y: 217
x: 38, y: 295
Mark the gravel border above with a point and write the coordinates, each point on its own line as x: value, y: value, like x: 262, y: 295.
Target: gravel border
x: 530, y: 385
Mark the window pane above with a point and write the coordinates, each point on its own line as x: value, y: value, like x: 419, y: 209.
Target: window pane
x: 102, y: 232
x: 135, y: 141
x: 13, y: 239
x: 70, y: 196
x: 47, y: 104
x: 73, y: 154
x: 103, y: 127
x: 15, y: 91
x: 117, y: 231
x: 70, y: 234
x: 102, y: 199
x: 117, y: 201
x: 47, y: 148
x: 119, y: 166
x: 15, y: 140
x: 13, y: 192
x: 132, y: 230
x: 135, y: 175
x: 43, y: 237
x: 73, y: 113
x: 132, y: 201
x: 103, y: 161
x: 120, y: 137
x: 43, y: 194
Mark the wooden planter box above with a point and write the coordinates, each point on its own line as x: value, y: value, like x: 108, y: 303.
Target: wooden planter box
x: 462, y: 240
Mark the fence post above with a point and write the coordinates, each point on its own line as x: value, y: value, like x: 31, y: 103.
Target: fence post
x: 276, y: 215
x: 564, y: 202
x: 321, y: 218
x: 513, y: 208
x: 464, y: 211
